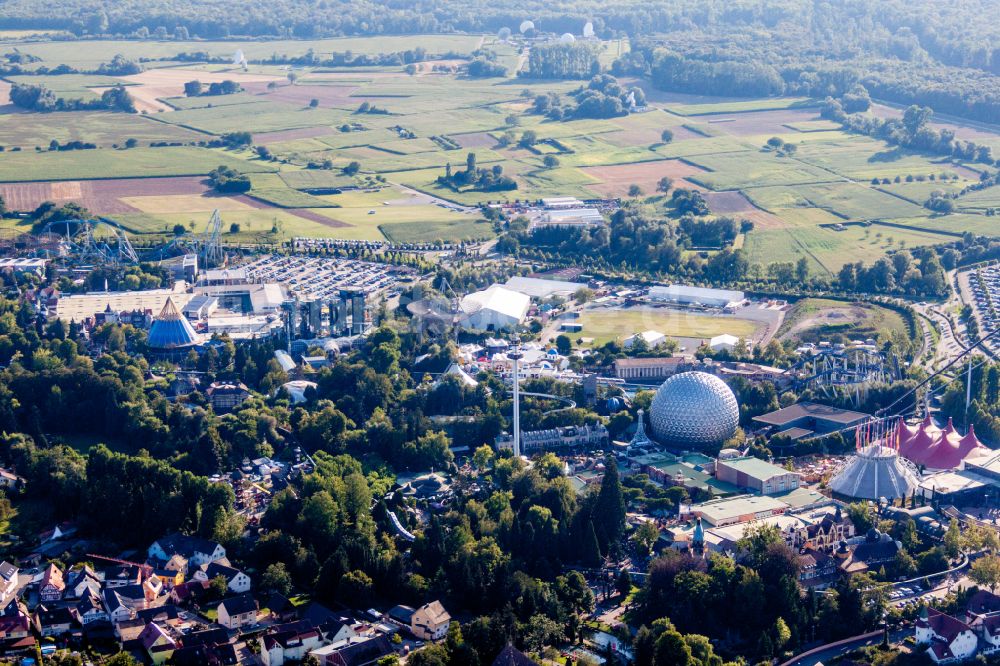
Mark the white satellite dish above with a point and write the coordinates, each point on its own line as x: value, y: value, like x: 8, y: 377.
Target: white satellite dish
x: 504, y: 34
x: 567, y: 38
x: 588, y: 29
x: 526, y: 26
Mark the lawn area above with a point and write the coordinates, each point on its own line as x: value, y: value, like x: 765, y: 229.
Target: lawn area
x: 815, y: 319
x: 981, y: 200
x: 133, y: 163
x: 314, y: 179
x: 607, y: 324
x: 766, y: 104
x: 254, y: 224
x: 253, y: 116
x: 827, y: 249
x: 103, y: 128
x: 862, y: 158
x: 286, y: 197
x: 70, y: 86
x: 849, y: 201
x: 731, y: 171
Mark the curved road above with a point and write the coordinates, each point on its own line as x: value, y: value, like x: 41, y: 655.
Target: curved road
x: 825, y: 653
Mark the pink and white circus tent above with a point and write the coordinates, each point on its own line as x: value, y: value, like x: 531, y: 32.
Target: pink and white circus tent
x: 926, y: 444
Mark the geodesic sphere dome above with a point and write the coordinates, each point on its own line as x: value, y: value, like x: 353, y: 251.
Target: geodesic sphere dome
x: 694, y: 409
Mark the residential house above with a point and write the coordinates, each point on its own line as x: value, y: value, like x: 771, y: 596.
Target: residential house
x: 238, y: 612
x: 134, y: 596
x: 8, y: 581
x: 227, y: 396
x: 187, y: 592
x: 281, y: 608
x: 948, y: 639
x: 14, y: 622
x: 817, y: 570
x: 237, y: 581
x: 81, y: 582
x: 358, y: 651
x: 116, y: 606
x: 157, y: 643
x: 169, y: 578
x: 52, y: 585
x: 53, y: 622
x: 122, y: 575
x: 90, y: 609
x: 290, y: 642
x: 195, y: 550
x: 9, y: 480
x: 511, y: 656
x: 430, y: 621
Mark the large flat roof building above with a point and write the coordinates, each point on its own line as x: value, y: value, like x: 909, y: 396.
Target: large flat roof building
x: 543, y: 288
x: 495, y: 309
x: 741, y: 509
x: 757, y: 475
x: 77, y: 307
x: 811, y: 417
x: 679, y: 293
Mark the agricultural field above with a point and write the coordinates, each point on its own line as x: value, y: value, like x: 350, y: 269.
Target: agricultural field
x: 607, y: 324
x: 131, y: 163
x: 313, y: 125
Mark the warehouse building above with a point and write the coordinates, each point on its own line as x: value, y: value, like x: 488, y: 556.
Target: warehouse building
x: 679, y: 293
x: 79, y: 307
x: 494, y: 309
x: 648, y: 368
x: 756, y: 475
x: 808, y: 418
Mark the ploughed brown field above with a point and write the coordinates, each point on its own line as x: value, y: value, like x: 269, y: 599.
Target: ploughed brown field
x: 103, y: 197
x: 735, y: 204
x: 615, y: 180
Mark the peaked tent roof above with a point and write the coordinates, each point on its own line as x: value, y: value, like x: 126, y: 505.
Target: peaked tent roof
x: 171, y: 329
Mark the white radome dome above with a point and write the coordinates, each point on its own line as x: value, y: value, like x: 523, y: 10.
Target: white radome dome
x: 694, y: 409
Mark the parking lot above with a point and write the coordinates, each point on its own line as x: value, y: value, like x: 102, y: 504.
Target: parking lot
x: 319, y: 278
x: 984, y: 287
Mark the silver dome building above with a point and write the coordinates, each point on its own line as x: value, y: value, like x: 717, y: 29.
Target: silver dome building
x: 693, y: 410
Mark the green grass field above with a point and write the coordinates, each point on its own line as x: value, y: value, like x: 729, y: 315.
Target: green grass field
x: 742, y: 106
x: 103, y: 128
x: 288, y: 198
x: 132, y: 163
x: 607, y: 324
x: 816, y: 319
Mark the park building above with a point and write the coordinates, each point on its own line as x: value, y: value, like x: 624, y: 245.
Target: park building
x: 568, y: 437
x: 494, y: 309
x: 171, y: 331
x: 685, y: 295
x: 804, y: 419
x: 757, y: 475
x: 648, y: 368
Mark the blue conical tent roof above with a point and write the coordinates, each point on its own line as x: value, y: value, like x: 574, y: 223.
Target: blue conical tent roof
x: 171, y: 329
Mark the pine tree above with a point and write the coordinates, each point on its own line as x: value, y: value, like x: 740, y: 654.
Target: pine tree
x: 591, y: 549
x: 610, y: 509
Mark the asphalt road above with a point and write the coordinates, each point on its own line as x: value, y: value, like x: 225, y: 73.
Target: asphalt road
x: 825, y: 653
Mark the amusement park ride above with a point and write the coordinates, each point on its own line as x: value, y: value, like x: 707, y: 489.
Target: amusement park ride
x: 102, y: 241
